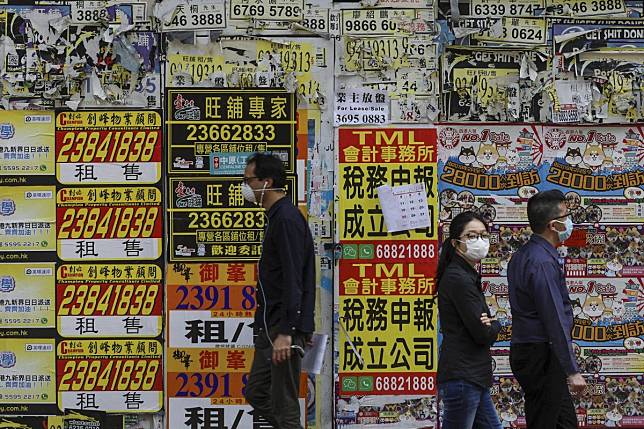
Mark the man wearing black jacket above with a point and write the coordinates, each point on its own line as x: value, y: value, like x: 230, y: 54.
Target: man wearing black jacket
x: 285, y: 296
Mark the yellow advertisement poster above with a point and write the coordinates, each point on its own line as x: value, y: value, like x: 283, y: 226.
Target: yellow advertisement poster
x: 390, y: 333
x: 27, y: 375
x: 370, y: 158
x: 27, y: 295
x: 115, y: 147
x: 26, y: 143
x: 119, y: 302
x: 121, y: 376
x: 388, y: 345
x: 27, y: 218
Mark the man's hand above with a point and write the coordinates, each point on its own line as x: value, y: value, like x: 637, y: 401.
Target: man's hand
x: 576, y: 383
x: 281, y: 348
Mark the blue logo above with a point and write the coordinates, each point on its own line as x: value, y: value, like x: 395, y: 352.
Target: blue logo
x: 7, y: 207
x: 7, y: 359
x: 7, y: 131
x: 7, y: 284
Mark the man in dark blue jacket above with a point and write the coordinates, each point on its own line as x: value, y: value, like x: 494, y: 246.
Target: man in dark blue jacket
x: 285, y: 296
x: 541, y: 354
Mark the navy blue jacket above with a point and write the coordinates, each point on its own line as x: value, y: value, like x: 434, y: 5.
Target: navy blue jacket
x: 539, y: 300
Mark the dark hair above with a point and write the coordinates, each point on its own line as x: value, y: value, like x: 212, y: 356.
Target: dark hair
x: 544, y: 207
x: 268, y: 166
x: 456, y: 227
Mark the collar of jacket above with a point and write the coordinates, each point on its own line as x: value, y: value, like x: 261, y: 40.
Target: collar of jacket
x: 276, y: 205
x: 545, y: 245
x: 461, y: 262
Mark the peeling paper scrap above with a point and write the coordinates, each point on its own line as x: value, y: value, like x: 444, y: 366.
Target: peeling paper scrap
x: 165, y: 10
x: 40, y: 24
x: 129, y: 58
x: 97, y: 87
x: 528, y: 69
x: 74, y: 102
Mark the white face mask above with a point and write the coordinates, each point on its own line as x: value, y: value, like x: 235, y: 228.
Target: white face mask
x: 477, y: 248
x: 249, y: 193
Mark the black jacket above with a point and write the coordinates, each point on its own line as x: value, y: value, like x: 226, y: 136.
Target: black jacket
x: 286, y: 272
x: 465, y: 349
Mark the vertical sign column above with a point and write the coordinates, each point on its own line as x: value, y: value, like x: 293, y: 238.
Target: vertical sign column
x: 386, y: 294
x: 27, y: 263
x: 215, y: 241
x: 110, y: 241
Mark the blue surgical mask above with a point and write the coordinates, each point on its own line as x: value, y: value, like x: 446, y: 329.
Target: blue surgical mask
x: 566, y: 233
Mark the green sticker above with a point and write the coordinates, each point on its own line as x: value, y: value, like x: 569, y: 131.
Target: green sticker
x: 349, y: 251
x: 365, y: 384
x: 350, y: 383
x: 366, y: 251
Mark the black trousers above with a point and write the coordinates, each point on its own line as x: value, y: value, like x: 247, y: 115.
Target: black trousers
x: 273, y: 390
x: 548, y: 404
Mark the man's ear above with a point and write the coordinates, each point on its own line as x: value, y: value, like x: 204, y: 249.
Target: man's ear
x: 269, y: 182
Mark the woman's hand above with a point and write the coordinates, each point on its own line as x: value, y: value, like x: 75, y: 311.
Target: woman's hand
x: 486, y: 320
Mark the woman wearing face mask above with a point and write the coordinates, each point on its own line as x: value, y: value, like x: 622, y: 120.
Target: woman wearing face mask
x: 465, y: 363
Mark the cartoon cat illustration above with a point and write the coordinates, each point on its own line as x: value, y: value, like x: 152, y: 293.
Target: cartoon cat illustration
x: 488, y: 155
x: 614, y: 268
x: 593, y: 307
x: 512, y: 157
x: 618, y: 310
x: 503, y: 267
x: 467, y: 155
x: 633, y: 235
x: 613, y: 417
x: 594, y: 156
x: 619, y: 159
x: 608, y: 301
x: 509, y: 160
x: 563, y: 251
x: 573, y: 156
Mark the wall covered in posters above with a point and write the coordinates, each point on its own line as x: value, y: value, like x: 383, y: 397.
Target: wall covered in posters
x: 128, y: 254
x: 494, y: 170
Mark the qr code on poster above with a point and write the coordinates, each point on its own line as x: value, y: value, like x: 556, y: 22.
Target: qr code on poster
x: 13, y: 60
